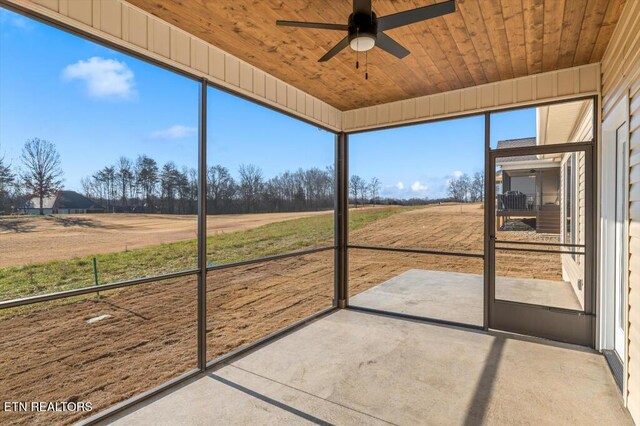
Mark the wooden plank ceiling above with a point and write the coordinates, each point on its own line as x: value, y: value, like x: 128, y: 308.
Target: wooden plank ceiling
x: 483, y: 41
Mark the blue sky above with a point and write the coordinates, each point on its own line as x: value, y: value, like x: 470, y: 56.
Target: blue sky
x: 97, y: 104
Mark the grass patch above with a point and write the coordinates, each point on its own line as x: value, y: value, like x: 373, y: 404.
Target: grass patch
x: 267, y: 240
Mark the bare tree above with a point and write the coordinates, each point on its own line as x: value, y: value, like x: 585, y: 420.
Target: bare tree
x: 374, y: 189
x: 220, y: 186
x: 6, y: 176
x: 477, y: 187
x: 456, y: 192
x: 251, y: 185
x: 124, y: 175
x: 465, y: 187
x: 461, y: 188
x: 147, y: 177
x: 107, y: 177
x: 42, y: 175
x: 88, y: 187
x: 363, y: 191
x: 7, y: 179
x: 169, y: 184
x: 356, y: 185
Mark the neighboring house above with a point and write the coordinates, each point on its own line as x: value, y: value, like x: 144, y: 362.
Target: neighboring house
x: 64, y: 202
x: 529, y: 187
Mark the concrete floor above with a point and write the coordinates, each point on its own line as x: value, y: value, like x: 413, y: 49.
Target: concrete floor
x: 358, y: 368
x: 458, y: 297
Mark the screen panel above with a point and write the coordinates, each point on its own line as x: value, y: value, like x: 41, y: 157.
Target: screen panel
x: 97, y: 349
x: 118, y: 199
x: 270, y: 182
x: 246, y: 303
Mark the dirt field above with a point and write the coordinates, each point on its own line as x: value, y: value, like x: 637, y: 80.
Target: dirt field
x: 66, y: 237
x: 448, y: 228
x: 51, y: 353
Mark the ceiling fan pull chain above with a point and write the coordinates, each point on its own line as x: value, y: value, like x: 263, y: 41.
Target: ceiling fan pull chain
x: 366, y: 65
x: 357, y: 51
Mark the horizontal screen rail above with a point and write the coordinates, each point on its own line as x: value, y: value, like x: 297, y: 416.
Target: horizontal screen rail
x: 270, y: 258
x: 418, y: 251
x: 541, y: 149
x: 532, y: 243
x: 93, y: 289
x: 539, y: 250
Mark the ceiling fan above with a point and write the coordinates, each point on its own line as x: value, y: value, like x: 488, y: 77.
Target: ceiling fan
x: 365, y: 30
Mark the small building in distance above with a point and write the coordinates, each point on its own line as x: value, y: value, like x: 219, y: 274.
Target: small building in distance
x: 64, y: 202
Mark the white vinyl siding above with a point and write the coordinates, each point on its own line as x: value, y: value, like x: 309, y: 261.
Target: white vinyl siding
x: 620, y: 76
x: 573, y: 265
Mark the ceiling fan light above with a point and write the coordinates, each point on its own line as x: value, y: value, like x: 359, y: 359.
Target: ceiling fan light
x: 362, y: 43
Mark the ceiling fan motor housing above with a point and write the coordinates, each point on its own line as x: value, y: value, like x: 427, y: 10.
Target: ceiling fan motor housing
x: 363, y: 30
x: 366, y: 31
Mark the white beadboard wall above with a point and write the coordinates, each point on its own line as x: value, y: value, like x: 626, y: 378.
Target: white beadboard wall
x: 555, y: 85
x: 125, y: 25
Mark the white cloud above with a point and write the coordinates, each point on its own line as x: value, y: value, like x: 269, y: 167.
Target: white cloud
x: 104, y: 78
x: 400, y: 185
x: 15, y: 20
x: 418, y: 187
x: 174, y: 132
x: 457, y: 174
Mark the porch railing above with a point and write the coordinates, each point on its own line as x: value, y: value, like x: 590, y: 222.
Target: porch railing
x: 519, y: 201
x: 516, y: 201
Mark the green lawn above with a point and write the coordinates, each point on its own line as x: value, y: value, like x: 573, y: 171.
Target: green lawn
x: 267, y: 240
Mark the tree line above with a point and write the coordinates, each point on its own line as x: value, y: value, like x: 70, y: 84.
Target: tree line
x: 467, y: 188
x: 363, y: 192
x: 143, y: 185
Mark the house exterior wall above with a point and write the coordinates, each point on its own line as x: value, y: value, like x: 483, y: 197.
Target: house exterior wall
x: 125, y: 25
x: 33, y: 210
x: 620, y: 77
x: 573, y: 266
x: 549, y: 186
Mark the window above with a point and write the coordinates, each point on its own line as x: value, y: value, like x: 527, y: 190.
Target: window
x: 569, y: 202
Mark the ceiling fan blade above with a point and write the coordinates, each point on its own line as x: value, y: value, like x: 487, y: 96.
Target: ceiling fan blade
x: 335, y: 49
x: 319, y: 25
x: 362, y: 6
x: 389, y: 45
x: 416, y: 15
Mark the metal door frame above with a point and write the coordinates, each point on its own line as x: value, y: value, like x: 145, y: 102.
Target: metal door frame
x: 577, y: 327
